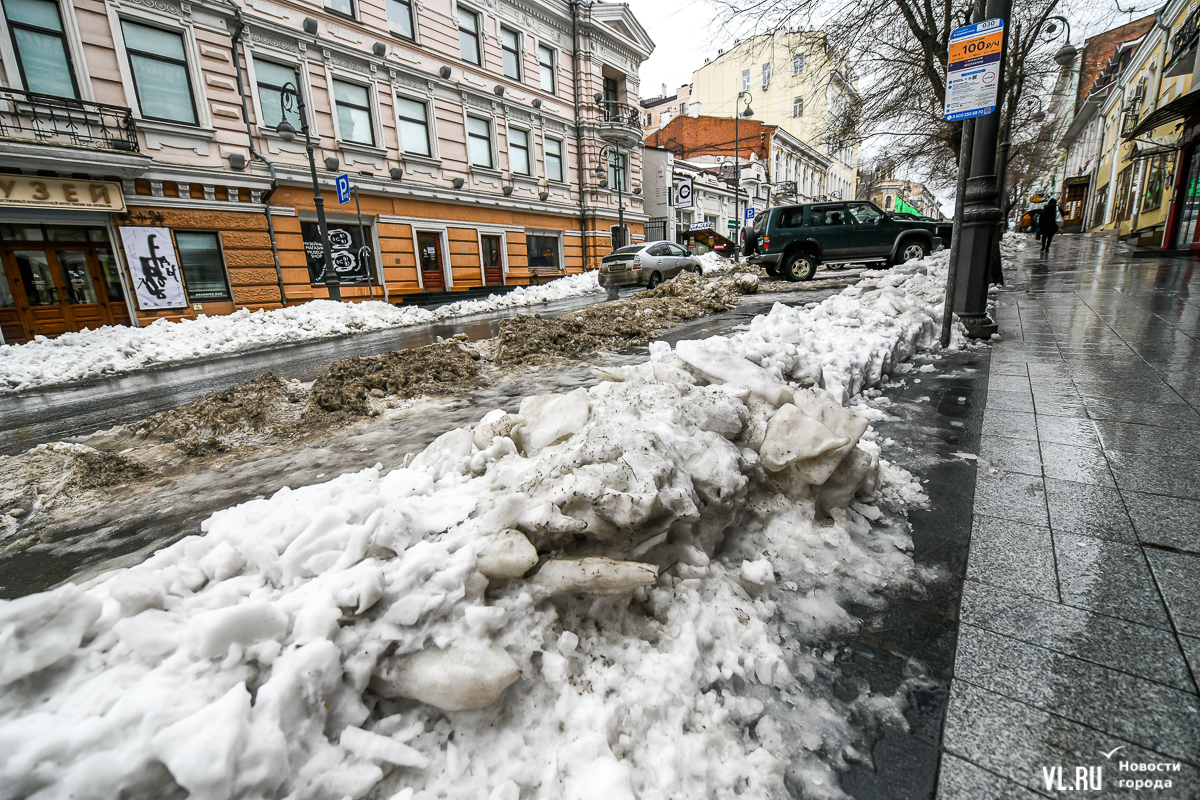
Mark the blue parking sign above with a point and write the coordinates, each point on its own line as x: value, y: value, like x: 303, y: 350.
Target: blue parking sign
x: 343, y: 189
x: 749, y: 213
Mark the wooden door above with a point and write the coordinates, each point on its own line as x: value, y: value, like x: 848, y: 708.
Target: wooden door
x: 12, y: 324
x: 493, y: 270
x: 38, y: 296
x: 429, y: 246
x: 83, y: 295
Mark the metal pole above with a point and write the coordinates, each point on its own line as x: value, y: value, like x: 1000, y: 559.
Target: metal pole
x: 981, y: 213
x: 362, y: 235
x: 621, y: 197
x: 964, y: 163
x: 737, y: 176
x: 331, y: 279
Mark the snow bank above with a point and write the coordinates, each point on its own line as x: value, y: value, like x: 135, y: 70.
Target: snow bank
x: 388, y: 634
x: 113, y: 350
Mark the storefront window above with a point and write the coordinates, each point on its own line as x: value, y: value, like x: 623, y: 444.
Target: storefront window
x: 34, y: 268
x: 1191, y: 203
x: 202, y: 265
x: 74, y: 266
x: 112, y: 282
x: 542, y: 251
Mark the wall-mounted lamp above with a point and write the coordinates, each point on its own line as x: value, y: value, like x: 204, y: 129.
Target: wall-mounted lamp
x: 310, y: 26
x: 445, y: 72
x: 237, y: 161
x: 458, y: 183
x: 499, y: 90
x: 542, y: 195
x: 637, y: 190
x: 508, y: 190
x: 604, y: 183
x: 598, y: 97
x: 379, y: 49
x: 332, y: 164
x: 537, y: 102
x: 396, y: 173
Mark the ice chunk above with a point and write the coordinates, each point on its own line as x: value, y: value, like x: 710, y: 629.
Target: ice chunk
x: 373, y: 747
x: 757, y: 573
x: 138, y: 589
x: 746, y: 282
x: 463, y: 676
x: 38, y: 630
x: 495, y: 423
x: 716, y: 358
x: 593, y: 575
x: 509, y: 555
x: 212, y: 632
x: 151, y: 633
x: 552, y: 418
x: 841, y: 422
x: 793, y: 436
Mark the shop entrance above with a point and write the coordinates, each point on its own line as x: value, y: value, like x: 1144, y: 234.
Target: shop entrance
x: 57, y: 279
x: 429, y: 246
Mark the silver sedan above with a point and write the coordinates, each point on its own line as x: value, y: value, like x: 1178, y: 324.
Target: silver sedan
x: 647, y: 264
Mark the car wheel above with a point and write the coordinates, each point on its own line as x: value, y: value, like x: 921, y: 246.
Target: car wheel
x: 912, y: 250
x: 655, y: 280
x: 799, y: 267
x: 696, y: 269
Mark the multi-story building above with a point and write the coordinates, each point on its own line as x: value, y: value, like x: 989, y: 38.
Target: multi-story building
x: 145, y: 173
x: 658, y: 111
x: 794, y: 83
x: 883, y: 189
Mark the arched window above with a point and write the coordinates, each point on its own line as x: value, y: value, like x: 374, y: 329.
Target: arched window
x: 887, y: 203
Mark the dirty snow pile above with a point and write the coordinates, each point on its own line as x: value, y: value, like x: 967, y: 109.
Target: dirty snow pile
x: 115, y: 349
x: 618, y: 592
x: 713, y: 264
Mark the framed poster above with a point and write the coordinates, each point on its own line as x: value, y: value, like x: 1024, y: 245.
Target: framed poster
x: 154, y: 268
x: 351, y: 260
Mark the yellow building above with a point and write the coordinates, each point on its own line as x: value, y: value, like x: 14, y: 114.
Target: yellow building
x: 792, y: 83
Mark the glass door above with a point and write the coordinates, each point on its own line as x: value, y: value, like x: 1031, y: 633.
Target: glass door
x: 493, y: 271
x: 429, y: 247
x: 1185, y: 234
x: 82, y: 292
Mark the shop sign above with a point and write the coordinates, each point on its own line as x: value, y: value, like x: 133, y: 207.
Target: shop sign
x: 701, y: 226
x: 351, y: 261
x: 34, y: 191
x: 684, y: 189
x: 150, y: 254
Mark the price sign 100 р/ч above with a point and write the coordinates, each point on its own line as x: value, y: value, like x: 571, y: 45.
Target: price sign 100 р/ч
x: 973, y: 69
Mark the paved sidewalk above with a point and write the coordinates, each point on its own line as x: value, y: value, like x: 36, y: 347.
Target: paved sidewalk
x: 1080, y: 616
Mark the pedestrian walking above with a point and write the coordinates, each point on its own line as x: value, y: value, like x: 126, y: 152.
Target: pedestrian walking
x: 1047, y: 223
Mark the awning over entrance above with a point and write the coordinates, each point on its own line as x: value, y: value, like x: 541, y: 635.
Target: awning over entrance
x: 1179, y: 108
x: 713, y: 241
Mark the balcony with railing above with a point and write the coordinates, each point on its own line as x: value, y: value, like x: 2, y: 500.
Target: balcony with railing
x: 618, y: 123
x: 62, y: 121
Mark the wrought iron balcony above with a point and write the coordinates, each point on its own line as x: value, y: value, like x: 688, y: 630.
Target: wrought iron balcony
x: 619, y: 123
x: 43, y: 119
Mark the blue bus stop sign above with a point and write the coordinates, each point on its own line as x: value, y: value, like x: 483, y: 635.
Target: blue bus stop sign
x: 343, y: 189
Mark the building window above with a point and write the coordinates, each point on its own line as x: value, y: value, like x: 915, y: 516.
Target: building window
x: 546, y: 64
x: 468, y: 35
x: 617, y: 176
x: 479, y: 142
x: 798, y: 62
x: 766, y: 75
x: 510, y: 45
x: 745, y: 80
x: 343, y: 7
x: 37, y: 36
x: 554, y: 162
x: 542, y: 251
x: 202, y: 265
x: 414, y: 126
x: 353, y: 112
x: 271, y: 78
x: 518, y: 151
x: 797, y: 107
x: 160, y: 73
x: 887, y: 203
x: 648, y: 120
x: 400, y: 17
x: 683, y: 109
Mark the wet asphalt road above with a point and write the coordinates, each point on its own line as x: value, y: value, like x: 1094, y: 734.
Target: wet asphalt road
x: 55, y: 413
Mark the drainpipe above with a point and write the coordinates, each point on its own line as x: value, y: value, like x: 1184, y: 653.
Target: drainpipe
x: 575, y: 73
x: 241, y: 88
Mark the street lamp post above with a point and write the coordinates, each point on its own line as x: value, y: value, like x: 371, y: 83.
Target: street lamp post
x: 737, y: 166
x: 601, y: 171
x: 289, y: 98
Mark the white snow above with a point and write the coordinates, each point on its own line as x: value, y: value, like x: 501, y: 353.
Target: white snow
x: 374, y: 635
x: 115, y: 349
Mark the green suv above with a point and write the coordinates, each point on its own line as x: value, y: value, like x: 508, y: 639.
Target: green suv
x: 793, y: 240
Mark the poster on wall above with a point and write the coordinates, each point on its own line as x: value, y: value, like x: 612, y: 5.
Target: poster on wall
x: 351, y: 261
x: 154, y: 268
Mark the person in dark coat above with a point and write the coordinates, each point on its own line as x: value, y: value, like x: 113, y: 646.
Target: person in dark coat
x: 1047, y: 223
